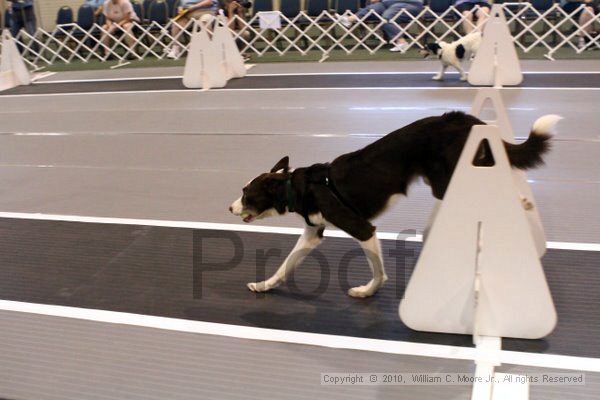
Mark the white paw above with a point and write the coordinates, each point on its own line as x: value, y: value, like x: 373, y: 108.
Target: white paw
x: 262, y: 286
x: 437, y: 78
x: 361, y: 291
x: 367, y: 290
x: 258, y: 286
x: 463, y: 78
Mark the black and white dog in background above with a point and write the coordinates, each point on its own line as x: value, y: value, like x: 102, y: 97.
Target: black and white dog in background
x: 453, y: 54
x: 356, y: 187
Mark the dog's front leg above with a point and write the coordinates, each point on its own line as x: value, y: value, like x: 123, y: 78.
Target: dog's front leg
x: 310, y: 238
x: 440, y: 75
x: 372, y: 249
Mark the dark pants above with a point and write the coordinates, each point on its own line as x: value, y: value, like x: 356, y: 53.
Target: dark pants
x: 24, y: 18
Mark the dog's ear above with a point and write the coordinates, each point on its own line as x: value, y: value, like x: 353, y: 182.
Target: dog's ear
x: 434, y: 48
x: 283, y: 164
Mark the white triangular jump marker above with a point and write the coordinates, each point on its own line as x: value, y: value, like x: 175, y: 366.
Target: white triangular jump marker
x: 212, y: 62
x: 204, y: 64
x: 502, y: 120
x: 192, y: 72
x: 507, y: 134
x: 496, y: 62
x: 13, y: 71
x: 233, y: 61
x: 480, y: 235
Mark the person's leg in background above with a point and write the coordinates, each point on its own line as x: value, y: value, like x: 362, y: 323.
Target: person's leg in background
x: 30, y: 25
x: 235, y: 9
x: 176, y: 28
x: 466, y: 11
x: 482, y: 13
x: 391, y: 29
x: 181, y: 24
x: 110, y: 28
x: 584, y: 18
x: 17, y: 23
x: 129, y: 36
x: 377, y: 7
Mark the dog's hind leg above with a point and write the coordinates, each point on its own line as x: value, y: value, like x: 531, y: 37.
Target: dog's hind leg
x: 461, y: 71
x: 372, y: 249
x: 310, y: 238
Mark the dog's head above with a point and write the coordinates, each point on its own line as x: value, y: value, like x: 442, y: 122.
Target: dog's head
x: 265, y: 195
x: 431, y: 49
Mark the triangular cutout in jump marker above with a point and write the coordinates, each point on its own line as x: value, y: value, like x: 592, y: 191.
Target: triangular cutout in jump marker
x: 494, y: 255
x: 13, y: 71
x: 496, y: 62
x: 485, y: 95
x: 483, y: 156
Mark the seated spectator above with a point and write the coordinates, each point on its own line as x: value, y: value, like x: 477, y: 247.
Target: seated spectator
x: 97, y: 5
x: 466, y: 7
x: 119, y: 13
x: 388, y: 10
x: 582, y: 17
x: 189, y: 9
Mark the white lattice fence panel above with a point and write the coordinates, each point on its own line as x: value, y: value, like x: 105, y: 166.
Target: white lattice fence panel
x: 550, y: 29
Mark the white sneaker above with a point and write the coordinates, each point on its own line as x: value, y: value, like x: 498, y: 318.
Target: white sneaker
x: 345, y: 21
x: 581, y: 42
x: 400, y: 47
x: 174, y: 52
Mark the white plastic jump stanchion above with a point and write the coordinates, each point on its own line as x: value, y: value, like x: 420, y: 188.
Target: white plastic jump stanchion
x: 204, y: 66
x: 192, y: 72
x: 13, y: 71
x: 507, y: 133
x: 232, y: 58
x: 496, y: 62
x: 479, y: 272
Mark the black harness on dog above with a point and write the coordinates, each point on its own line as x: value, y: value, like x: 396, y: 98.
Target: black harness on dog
x: 317, y: 174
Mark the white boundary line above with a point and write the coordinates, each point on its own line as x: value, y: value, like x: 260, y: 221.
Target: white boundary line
x: 249, y: 228
x: 42, y: 75
x: 287, y: 90
x: 303, y: 338
x: 135, y: 78
x: 141, y: 78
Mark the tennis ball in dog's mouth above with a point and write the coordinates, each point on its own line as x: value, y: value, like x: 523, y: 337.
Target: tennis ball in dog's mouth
x: 245, y: 214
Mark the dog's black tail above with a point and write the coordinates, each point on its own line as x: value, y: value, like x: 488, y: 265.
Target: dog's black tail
x: 529, y: 153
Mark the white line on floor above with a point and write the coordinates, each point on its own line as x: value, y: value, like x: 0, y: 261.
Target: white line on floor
x: 133, y: 78
x: 139, y: 78
x: 286, y: 90
x: 250, y: 228
x: 304, y: 338
x: 42, y: 75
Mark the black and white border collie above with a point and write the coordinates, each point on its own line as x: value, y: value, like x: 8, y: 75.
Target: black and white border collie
x: 453, y: 54
x: 356, y: 187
